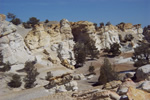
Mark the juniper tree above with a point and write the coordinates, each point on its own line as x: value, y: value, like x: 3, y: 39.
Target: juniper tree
x: 91, y: 49
x: 107, y: 73
x: 114, y: 49
x: 80, y: 54
x: 15, y: 82
x: 32, y: 73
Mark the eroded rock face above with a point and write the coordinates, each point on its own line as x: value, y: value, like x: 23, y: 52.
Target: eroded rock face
x: 37, y: 38
x: 56, y: 39
x: 12, y: 45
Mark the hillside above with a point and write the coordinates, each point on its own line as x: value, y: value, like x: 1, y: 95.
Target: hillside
x: 50, y: 47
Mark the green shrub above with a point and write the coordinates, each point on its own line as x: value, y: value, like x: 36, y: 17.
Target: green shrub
x: 115, y: 49
x: 49, y: 75
x: 16, y: 21
x: 31, y: 74
x: 15, y: 82
x: 92, y: 69
x: 107, y: 73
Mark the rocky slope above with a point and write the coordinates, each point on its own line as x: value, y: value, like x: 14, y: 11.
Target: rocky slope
x: 51, y: 46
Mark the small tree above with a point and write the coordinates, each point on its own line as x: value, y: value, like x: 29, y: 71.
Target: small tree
x: 91, y: 69
x: 95, y: 24
x: 46, y: 21
x: 16, y: 21
x: 141, y: 55
x: 115, y: 49
x: 15, y: 82
x: 33, y: 21
x: 128, y: 37
x: 107, y: 73
x: 108, y: 23
x: 11, y: 16
x: 91, y: 49
x: 31, y: 74
x: 101, y: 24
x: 49, y: 75
x: 80, y: 54
x: 6, y: 67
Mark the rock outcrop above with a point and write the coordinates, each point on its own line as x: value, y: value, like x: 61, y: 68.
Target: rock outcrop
x: 143, y: 73
x: 56, y: 39
x: 12, y: 47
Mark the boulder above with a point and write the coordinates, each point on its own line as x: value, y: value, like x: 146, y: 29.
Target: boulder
x: 136, y: 94
x: 143, y: 72
x: 123, y: 88
x: 146, y: 86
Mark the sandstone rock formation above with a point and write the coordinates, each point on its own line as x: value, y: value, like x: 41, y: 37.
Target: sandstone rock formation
x: 12, y: 47
x: 56, y: 39
x: 136, y: 94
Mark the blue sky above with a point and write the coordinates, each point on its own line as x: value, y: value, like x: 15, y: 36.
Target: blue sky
x: 115, y: 11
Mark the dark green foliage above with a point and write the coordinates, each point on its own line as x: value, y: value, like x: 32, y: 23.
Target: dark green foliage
x: 31, y: 74
x: 15, y: 82
x: 26, y: 25
x: 95, y: 24
x: 107, y: 73
x: 80, y: 54
x: 91, y: 69
x: 114, y: 49
x: 6, y: 67
x: 1, y: 58
x: 49, y: 75
x: 101, y: 24
x: 83, y: 50
x: 91, y: 50
x: 46, y: 21
x: 141, y: 55
x: 33, y: 21
x: 11, y: 16
x: 16, y: 21
x: 128, y: 37
x: 108, y: 23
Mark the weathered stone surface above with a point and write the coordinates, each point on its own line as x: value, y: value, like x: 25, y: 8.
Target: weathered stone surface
x: 146, y: 86
x: 143, y: 72
x: 37, y: 38
x: 136, y: 94
x: 122, y: 90
x: 98, y: 95
x: 12, y: 45
x: 78, y: 77
x: 65, y: 29
x: 112, y: 85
